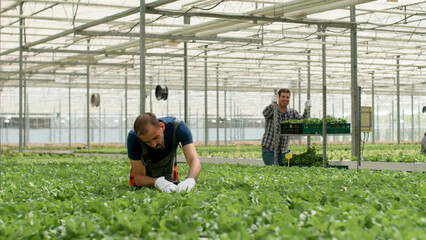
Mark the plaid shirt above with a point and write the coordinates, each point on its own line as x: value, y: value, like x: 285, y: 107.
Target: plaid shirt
x: 268, y: 136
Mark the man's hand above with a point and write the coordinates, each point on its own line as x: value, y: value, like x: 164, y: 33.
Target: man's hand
x: 186, y: 185
x: 308, y: 104
x: 164, y: 185
x: 274, y: 98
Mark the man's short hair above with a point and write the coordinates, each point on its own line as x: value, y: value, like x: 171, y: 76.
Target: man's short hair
x: 142, y: 121
x: 283, y: 90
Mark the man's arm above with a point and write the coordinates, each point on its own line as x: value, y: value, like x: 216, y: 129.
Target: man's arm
x: 193, y: 161
x: 139, y: 174
x: 268, y: 112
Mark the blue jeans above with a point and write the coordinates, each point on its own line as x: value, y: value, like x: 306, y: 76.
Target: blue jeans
x: 268, y: 157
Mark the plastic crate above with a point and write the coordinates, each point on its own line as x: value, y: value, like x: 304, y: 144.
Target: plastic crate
x: 311, y: 128
x: 291, y: 128
x: 314, y: 128
x: 339, y: 128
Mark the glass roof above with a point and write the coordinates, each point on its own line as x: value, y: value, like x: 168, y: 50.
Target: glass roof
x: 247, y: 48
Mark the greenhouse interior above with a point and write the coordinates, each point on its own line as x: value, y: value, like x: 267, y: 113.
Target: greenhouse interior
x: 75, y: 76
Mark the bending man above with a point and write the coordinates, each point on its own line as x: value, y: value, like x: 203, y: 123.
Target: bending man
x: 152, y: 147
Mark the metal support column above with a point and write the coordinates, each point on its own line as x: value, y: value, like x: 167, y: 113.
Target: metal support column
x: 378, y: 122
x: 230, y: 119
x: 69, y: 111
x: 26, y: 115
x: 420, y: 134
x: 224, y: 110
x: 373, y: 129
x: 142, y: 55
x: 343, y: 116
x: 355, y: 107
x: 324, y: 98
x: 206, y: 128
x: 412, y: 118
x: 185, y: 73
x: 300, y: 99
x: 150, y: 94
x: 21, y: 75
x: 393, y: 121
x: 398, y: 109
x: 217, y: 106
x: 125, y: 106
x: 309, y: 93
x: 99, y: 123
x: 59, y: 122
x: 88, y: 100
x: 276, y: 133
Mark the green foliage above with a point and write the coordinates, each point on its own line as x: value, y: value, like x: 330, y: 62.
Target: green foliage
x: 70, y: 197
x: 308, y: 158
x: 329, y: 119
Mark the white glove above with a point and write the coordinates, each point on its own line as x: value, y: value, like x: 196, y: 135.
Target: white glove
x: 164, y: 185
x: 274, y: 98
x: 186, y: 185
x: 308, y: 104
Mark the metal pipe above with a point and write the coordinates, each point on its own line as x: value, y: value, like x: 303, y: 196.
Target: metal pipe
x: 69, y: 111
x: 206, y: 115
x: 308, y: 94
x: 372, y: 108
x: 299, y: 99
x: 378, y: 122
x: 324, y: 99
x: 88, y: 100
x: 21, y: 73
x: 343, y: 116
x: 142, y: 52
x: 99, y: 123
x: 27, y: 117
x: 393, y: 120
x: 230, y: 117
x: 217, y: 106
x: 224, y: 110
x: 125, y: 106
x: 186, y: 20
x: 356, y: 108
x: 276, y: 133
x: 412, y: 118
x: 59, y: 121
x: 398, y: 121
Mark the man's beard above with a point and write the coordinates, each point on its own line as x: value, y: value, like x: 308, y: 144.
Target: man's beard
x: 159, y: 147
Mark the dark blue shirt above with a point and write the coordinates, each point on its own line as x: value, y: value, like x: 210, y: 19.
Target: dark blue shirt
x: 183, y: 136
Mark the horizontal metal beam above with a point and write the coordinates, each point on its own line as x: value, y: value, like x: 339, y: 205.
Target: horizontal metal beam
x: 178, y: 87
x: 46, y: 73
x: 245, y: 17
x: 72, y: 30
x: 102, y: 52
x: 170, y: 36
x: 49, y: 63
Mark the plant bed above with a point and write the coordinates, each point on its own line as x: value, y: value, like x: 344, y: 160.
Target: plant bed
x: 308, y: 158
x: 55, y: 197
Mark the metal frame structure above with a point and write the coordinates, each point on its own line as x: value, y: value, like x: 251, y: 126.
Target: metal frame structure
x: 212, y: 45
